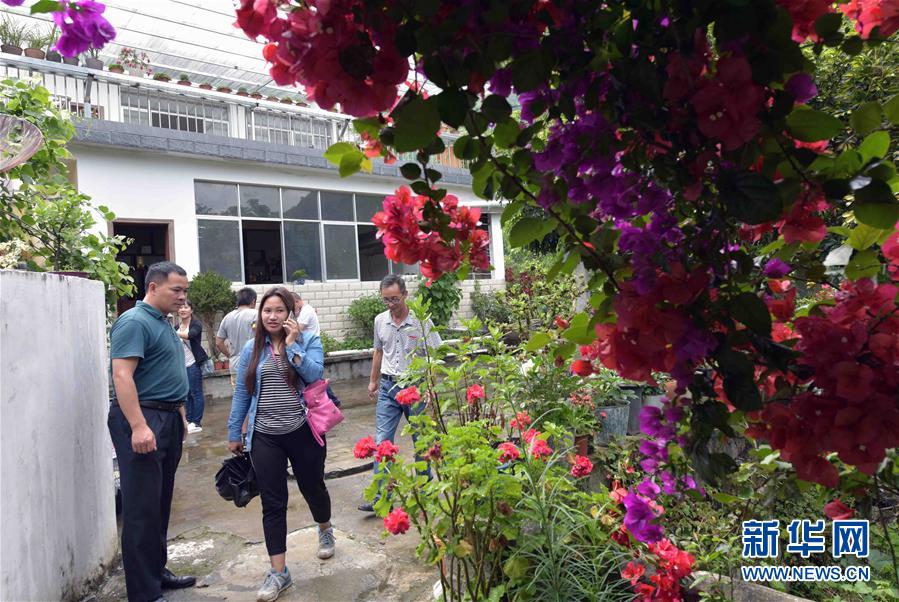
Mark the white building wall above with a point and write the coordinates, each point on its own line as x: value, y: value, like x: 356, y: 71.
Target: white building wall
x: 59, y: 527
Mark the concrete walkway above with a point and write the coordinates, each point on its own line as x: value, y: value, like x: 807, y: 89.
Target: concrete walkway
x: 223, y: 545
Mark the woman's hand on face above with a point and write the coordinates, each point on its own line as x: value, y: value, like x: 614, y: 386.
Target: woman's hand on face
x: 292, y: 330
x: 235, y: 447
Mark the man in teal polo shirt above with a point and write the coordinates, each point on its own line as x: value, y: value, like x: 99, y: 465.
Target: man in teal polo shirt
x: 148, y: 426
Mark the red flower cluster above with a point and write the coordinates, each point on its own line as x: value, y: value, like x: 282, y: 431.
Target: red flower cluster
x: 869, y: 14
x: 397, y: 522
x: 672, y: 565
x: 540, y: 449
x: 581, y: 467
x: 408, y: 240
x: 851, y: 406
x: 508, y: 452
x: 364, y: 448
x: 804, y: 14
x: 386, y: 451
x: 727, y: 105
x: 474, y: 393
x: 582, y: 367
x: 328, y: 48
x: 521, y: 421
x: 408, y: 396
x: 804, y: 223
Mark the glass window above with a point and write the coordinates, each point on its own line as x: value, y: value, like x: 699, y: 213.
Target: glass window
x: 367, y: 205
x: 302, y: 249
x: 337, y: 206
x: 372, y: 262
x: 259, y: 201
x: 220, y: 247
x: 340, y: 252
x: 262, y: 252
x: 300, y: 204
x: 403, y: 269
x: 215, y: 199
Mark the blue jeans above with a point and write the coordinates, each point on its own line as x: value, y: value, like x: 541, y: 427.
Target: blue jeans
x: 388, y: 413
x: 195, y: 398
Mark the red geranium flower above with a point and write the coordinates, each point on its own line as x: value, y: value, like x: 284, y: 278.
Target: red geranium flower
x: 364, y: 448
x: 582, y: 467
x: 530, y: 434
x: 408, y: 396
x: 386, y: 451
x: 474, y: 393
x: 509, y: 452
x: 397, y: 522
x: 540, y: 449
x: 521, y: 420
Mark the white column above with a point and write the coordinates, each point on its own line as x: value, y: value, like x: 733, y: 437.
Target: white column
x: 497, y: 253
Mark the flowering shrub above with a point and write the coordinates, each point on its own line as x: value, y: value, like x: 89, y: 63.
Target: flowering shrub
x: 81, y: 24
x: 408, y: 396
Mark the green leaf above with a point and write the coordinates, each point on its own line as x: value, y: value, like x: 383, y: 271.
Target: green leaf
x: 338, y: 150
x: 875, y: 146
x: 866, y: 118
x: 416, y: 124
x: 496, y: 108
x: 578, y: 330
x: 809, y: 125
x: 828, y: 24
x: 350, y: 163
x: 410, y: 171
x: 863, y: 264
x: 876, y: 206
x: 453, y: 105
x: 749, y: 309
x: 724, y: 498
x: 752, y: 198
x: 46, y: 6
x: 529, y: 229
x: 506, y: 133
x: 863, y: 236
x: 529, y: 71
x: 368, y: 125
x: 891, y: 110
x: 537, y: 341
x: 466, y: 147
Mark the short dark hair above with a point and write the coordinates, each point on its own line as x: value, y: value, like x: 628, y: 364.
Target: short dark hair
x: 189, y: 303
x: 159, y: 272
x: 391, y: 279
x: 246, y: 296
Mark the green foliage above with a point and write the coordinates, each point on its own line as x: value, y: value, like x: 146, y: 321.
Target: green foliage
x: 534, y: 298
x: 362, y: 312
x: 489, y: 307
x: 331, y: 344
x: 211, y: 294
x: 444, y: 296
x: 12, y: 30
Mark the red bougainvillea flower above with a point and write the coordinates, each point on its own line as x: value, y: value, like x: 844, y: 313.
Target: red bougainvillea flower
x: 804, y: 14
x: 540, y: 449
x: 727, y: 105
x: 582, y: 367
x: 804, y: 223
x: 633, y: 571
x: 582, y: 467
x: 364, y: 448
x: 869, y: 14
x: 408, y: 396
x: 256, y: 16
x: 397, y: 522
x: 508, y: 452
x: 474, y: 393
x: 521, y: 421
x: 617, y: 493
x: 386, y: 451
x: 837, y: 510
x: 560, y: 323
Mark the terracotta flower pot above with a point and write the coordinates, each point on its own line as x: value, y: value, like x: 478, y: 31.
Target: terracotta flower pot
x: 34, y: 53
x: 580, y: 444
x: 116, y: 69
x: 223, y: 89
x: 205, y: 86
x: 184, y: 82
x: 219, y: 365
x: 11, y: 49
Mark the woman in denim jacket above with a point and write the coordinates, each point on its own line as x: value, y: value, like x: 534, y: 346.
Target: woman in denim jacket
x: 273, y: 370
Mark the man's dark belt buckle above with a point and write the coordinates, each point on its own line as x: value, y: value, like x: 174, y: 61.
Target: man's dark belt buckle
x: 388, y: 378
x: 165, y: 406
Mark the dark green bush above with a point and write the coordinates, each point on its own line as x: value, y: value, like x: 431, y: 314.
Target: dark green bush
x: 444, y: 296
x: 362, y: 312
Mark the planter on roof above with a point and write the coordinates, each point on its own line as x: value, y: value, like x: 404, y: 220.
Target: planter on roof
x: 223, y: 89
x: 114, y: 68
x: 35, y: 53
x: 273, y: 99
x: 92, y: 63
x: 53, y: 57
x: 242, y: 92
x: 613, y: 424
x: 286, y: 101
x: 205, y: 86
x: 11, y: 49
x: 184, y: 82
x: 70, y: 60
x: 256, y: 95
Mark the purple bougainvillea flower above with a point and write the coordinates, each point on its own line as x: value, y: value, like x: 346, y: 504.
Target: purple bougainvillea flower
x: 802, y: 87
x: 13, y: 2
x: 639, y: 519
x: 777, y: 268
x: 82, y: 26
x: 648, y: 489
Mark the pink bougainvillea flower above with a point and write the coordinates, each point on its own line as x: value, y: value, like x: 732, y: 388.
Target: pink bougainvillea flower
x: 386, y: 451
x: 804, y: 14
x: 633, y: 571
x: 582, y: 467
x: 870, y: 14
x: 474, y: 393
x: 82, y: 26
x: 397, y: 522
x: 364, y: 448
x: 508, y: 452
x: 837, y: 510
x: 540, y: 449
x: 727, y: 105
x: 408, y: 396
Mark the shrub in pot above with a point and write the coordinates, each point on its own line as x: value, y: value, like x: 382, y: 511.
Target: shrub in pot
x: 211, y: 293
x: 92, y: 60
x: 161, y: 77
x: 242, y: 92
x: 256, y: 95
x: 273, y: 99
x: 184, y: 80
x: 205, y: 86
x: 223, y: 89
x: 116, y: 68
x: 35, y: 42
x: 12, y: 35
x: 286, y: 101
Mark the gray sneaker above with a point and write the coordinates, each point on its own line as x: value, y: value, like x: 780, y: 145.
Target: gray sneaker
x: 274, y: 584
x: 326, y: 543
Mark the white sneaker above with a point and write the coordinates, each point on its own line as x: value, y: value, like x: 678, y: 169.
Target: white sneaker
x: 326, y: 543
x: 274, y: 584
x: 193, y: 428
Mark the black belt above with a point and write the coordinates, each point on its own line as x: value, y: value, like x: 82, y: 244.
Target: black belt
x: 388, y: 378
x: 165, y: 406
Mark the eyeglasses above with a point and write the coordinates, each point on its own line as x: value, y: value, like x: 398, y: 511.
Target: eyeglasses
x: 391, y: 300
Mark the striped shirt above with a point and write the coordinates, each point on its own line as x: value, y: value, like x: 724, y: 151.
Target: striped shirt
x: 280, y: 410
x: 400, y: 342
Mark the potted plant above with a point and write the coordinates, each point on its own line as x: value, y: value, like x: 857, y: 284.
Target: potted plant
x: 161, y: 77
x: 223, y: 89
x: 137, y: 63
x: 116, y: 68
x: 613, y: 400
x: 52, y: 55
x: 92, y: 60
x: 184, y: 80
x: 12, y: 35
x: 286, y: 101
x: 35, y: 42
x: 299, y: 276
x: 256, y: 95
x: 272, y: 99
x: 242, y: 92
x: 211, y: 294
x: 582, y: 419
x: 205, y: 86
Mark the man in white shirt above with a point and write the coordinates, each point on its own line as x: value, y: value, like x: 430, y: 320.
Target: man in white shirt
x: 236, y: 329
x: 306, y: 317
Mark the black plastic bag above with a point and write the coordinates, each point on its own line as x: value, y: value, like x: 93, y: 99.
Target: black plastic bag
x: 235, y: 481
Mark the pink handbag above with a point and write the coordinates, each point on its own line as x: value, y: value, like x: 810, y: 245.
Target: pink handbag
x: 321, y: 413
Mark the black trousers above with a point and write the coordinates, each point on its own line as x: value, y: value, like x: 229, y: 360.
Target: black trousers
x: 270, y: 454
x: 147, y: 482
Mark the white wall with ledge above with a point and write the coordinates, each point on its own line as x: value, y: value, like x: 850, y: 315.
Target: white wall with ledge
x: 58, y: 509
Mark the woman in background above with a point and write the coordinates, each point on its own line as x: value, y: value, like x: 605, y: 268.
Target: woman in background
x: 190, y: 330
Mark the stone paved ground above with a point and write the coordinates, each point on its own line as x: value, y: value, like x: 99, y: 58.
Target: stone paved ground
x: 222, y: 545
